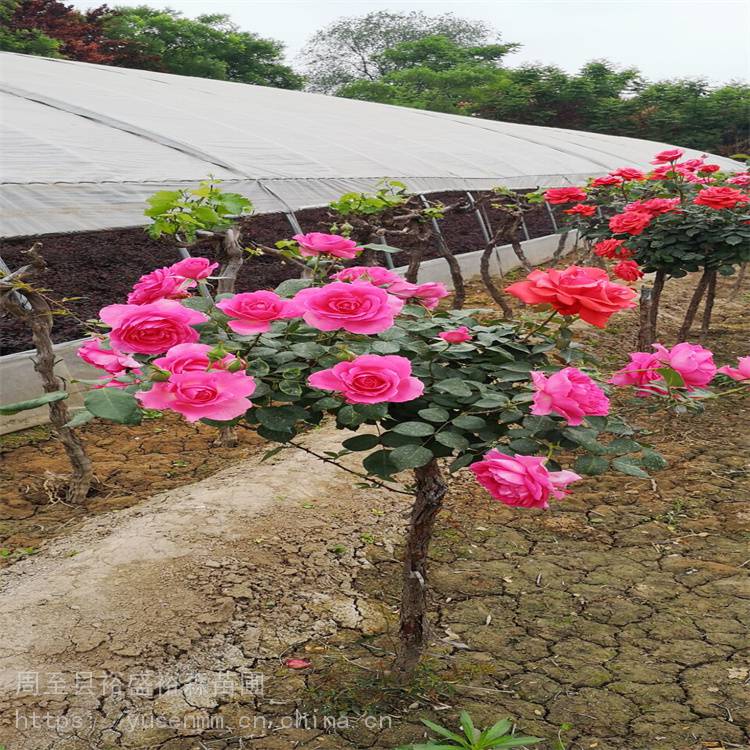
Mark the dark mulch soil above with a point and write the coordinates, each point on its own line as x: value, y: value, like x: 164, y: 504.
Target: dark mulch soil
x: 99, y: 268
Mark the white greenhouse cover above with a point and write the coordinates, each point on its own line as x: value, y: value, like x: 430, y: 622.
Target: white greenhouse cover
x: 84, y: 145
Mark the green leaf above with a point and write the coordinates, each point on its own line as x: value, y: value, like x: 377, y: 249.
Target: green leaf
x: 434, y: 414
x: 290, y: 387
x: 452, y: 439
x: 279, y: 418
x: 653, y: 460
x: 410, y: 456
x: 591, y: 465
x: 623, y: 445
x: 308, y: 349
x: 347, y: 416
x: 671, y: 377
x: 382, y: 248
x: 394, y: 440
x: 271, y: 453
x: 524, y: 446
x: 290, y: 287
x: 361, y: 442
x: 33, y: 403
x: 386, y: 347
x: 371, y: 411
x: 454, y: 386
x: 517, y: 742
x: 468, y: 422
x: 81, y: 417
x: 442, y: 731
x: 468, y: 726
x: 379, y: 464
x: 113, y: 404
x: 628, y: 466
x: 414, y: 429
x: 461, y: 462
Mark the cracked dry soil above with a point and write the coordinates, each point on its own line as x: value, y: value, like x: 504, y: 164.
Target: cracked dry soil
x: 623, y: 612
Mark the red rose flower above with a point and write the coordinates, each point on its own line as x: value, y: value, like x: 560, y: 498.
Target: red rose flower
x: 612, y: 249
x: 581, y: 209
x: 556, y: 196
x: 607, y: 181
x: 720, y: 197
x: 628, y: 173
x: 583, y: 291
x: 627, y: 270
x: 630, y: 222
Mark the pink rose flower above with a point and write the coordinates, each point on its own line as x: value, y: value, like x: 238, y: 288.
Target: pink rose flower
x: 152, y: 328
x: 741, y: 372
x: 193, y: 268
x: 569, y: 393
x: 374, y: 274
x: 430, y: 293
x: 628, y: 173
x: 581, y: 209
x: 557, y: 196
x: 191, y: 357
x: 215, y: 394
x: 457, y: 335
x: 112, y: 380
x: 640, y: 372
x: 521, y: 481
x: 358, y: 307
x: 720, y: 197
x: 694, y: 363
x: 630, y: 222
x: 576, y: 290
x: 319, y: 243
x: 253, y: 312
x: 156, y: 285
x: 105, y: 359
x: 670, y: 155
x: 370, y: 379
x: 627, y: 270
x: 740, y: 179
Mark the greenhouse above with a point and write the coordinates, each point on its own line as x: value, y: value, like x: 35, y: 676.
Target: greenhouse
x: 332, y: 425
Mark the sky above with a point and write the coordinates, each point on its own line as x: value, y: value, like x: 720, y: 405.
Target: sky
x: 663, y: 38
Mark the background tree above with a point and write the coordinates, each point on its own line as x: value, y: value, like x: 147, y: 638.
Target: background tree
x: 353, y: 48
x: 210, y: 46
x: 53, y: 29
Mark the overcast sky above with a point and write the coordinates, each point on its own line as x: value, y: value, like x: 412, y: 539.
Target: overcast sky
x: 664, y: 38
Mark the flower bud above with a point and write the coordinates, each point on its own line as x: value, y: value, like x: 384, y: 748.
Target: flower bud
x: 158, y: 375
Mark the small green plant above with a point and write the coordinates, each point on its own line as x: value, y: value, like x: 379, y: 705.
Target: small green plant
x: 183, y: 213
x: 497, y: 736
x: 388, y: 194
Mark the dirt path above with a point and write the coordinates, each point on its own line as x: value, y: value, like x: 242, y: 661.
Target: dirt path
x: 624, y: 611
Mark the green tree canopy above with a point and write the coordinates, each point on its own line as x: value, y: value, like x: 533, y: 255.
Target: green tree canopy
x: 362, y: 48
x: 210, y: 46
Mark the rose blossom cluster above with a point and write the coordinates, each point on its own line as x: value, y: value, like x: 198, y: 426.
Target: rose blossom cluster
x: 161, y: 338
x: 692, y: 362
x: 171, y: 282
x: 428, y: 294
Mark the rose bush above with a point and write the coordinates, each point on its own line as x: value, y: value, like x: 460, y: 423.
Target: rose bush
x: 681, y: 217
x: 367, y: 349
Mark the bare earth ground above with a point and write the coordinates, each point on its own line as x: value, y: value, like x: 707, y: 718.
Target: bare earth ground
x: 623, y: 612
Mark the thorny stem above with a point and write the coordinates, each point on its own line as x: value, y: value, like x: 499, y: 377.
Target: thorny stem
x: 539, y: 327
x: 329, y: 460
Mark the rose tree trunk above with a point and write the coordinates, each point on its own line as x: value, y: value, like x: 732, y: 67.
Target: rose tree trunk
x: 430, y: 490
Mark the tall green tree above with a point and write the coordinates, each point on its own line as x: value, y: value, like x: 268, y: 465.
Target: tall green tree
x: 210, y: 46
x: 356, y: 48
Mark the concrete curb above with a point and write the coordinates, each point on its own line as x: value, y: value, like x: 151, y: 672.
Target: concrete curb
x: 19, y: 381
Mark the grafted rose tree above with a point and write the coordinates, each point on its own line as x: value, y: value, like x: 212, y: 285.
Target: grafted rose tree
x: 419, y: 389
x: 683, y: 216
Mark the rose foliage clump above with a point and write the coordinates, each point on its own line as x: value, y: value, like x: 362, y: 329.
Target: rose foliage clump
x: 683, y: 216
x: 362, y: 346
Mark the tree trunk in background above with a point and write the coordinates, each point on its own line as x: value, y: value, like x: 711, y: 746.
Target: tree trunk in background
x: 431, y: 489
x: 656, y: 291
x: 39, y: 319
x: 692, y: 309
x: 709, y: 304
x: 495, y: 293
